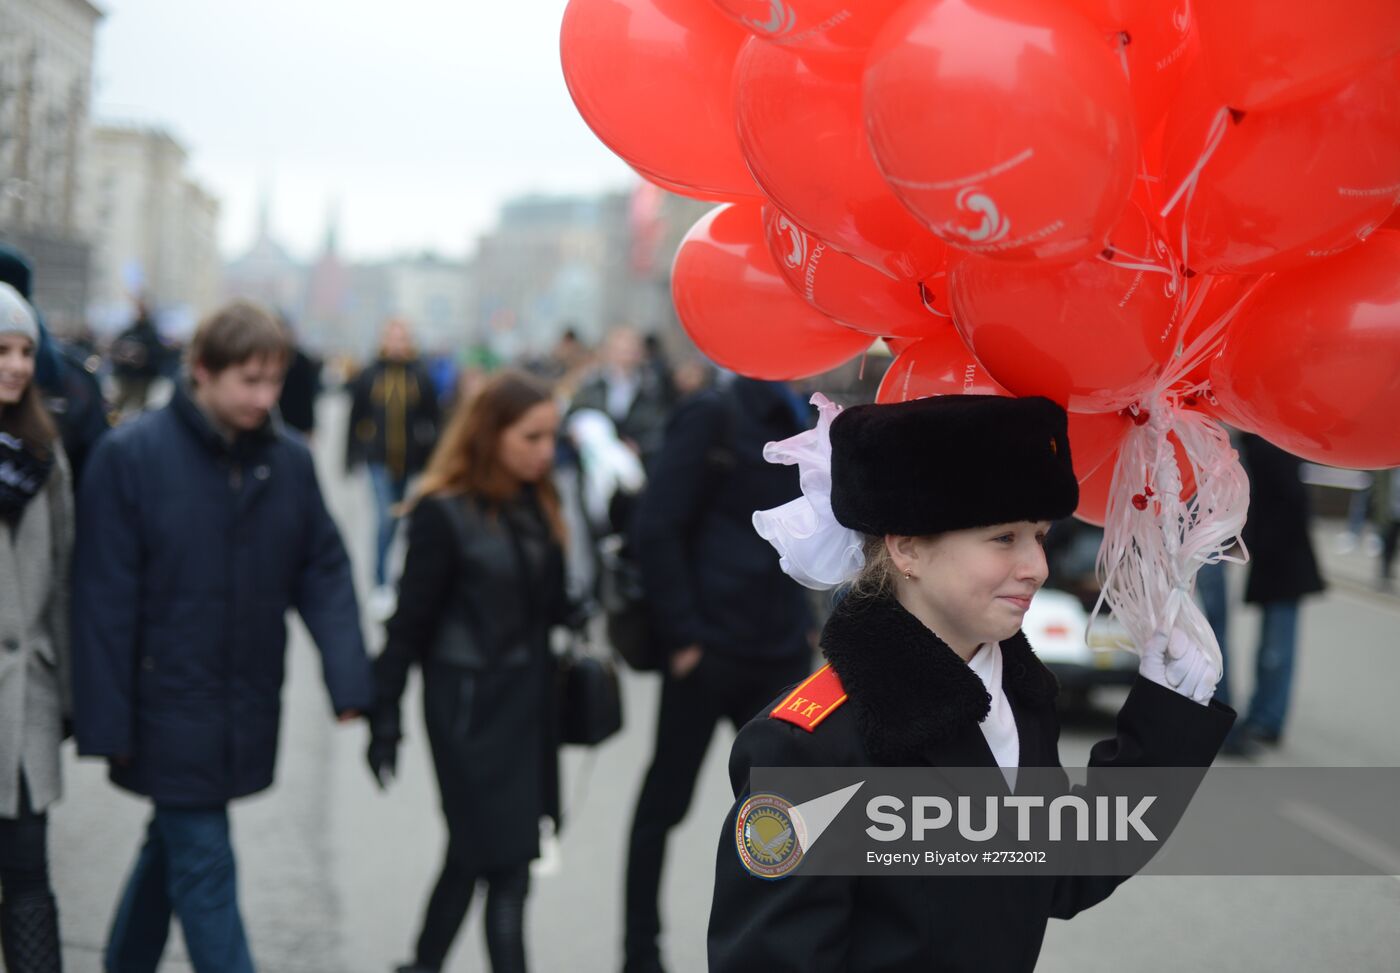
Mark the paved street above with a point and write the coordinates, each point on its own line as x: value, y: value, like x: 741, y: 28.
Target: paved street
x: 334, y: 874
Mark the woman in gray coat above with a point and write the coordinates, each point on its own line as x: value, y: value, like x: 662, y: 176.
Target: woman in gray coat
x: 36, y: 538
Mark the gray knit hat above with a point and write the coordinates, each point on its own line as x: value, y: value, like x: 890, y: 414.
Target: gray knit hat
x: 16, y: 316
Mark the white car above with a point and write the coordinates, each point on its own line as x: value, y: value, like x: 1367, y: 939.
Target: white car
x: 1056, y: 625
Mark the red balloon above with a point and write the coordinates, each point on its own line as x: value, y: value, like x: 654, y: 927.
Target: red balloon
x: 845, y: 289
x: 1290, y: 186
x: 1093, y: 495
x: 1092, y: 336
x: 737, y: 309
x: 689, y: 191
x: 1005, y: 125
x: 1312, y: 359
x: 1093, y: 438
x: 803, y: 133
x: 1222, y: 292
x: 1095, y: 488
x: 1266, y: 53
x: 898, y: 346
x: 1220, y: 410
x: 937, y: 365
x: 812, y: 25
x: 653, y: 79
x: 1159, y: 44
x: 1392, y: 222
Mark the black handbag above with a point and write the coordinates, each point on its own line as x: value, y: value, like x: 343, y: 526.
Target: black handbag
x: 590, y: 697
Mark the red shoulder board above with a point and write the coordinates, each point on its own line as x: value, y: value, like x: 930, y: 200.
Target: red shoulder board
x: 813, y: 701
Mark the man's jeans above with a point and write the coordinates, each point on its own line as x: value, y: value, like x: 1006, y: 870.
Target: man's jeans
x: 185, y: 868
x: 1273, y: 667
x: 389, y: 491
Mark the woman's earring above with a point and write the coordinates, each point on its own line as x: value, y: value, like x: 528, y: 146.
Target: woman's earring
x: 908, y: 575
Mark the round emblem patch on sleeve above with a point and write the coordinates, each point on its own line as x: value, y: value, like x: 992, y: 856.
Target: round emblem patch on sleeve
x: 767, y: 834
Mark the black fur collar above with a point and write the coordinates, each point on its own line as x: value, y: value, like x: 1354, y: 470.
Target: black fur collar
x: 908, y: 690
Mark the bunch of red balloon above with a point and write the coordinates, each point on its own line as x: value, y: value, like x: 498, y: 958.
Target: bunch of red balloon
x: 1091, y: 200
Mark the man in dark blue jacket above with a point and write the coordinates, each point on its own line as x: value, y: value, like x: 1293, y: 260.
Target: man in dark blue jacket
x: 734, y: 629
x: 200, y: 526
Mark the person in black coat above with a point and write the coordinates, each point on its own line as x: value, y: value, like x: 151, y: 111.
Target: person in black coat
x: 937, y: 511
x: 300, y: 389
x: 482, y: 586
x: 1282, y: 571
x: 138, y: 356
x: 199, y: 526
x: 392, y: 429
x: 731, y: 626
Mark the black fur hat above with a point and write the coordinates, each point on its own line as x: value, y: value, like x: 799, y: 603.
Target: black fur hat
x: 951, y: 462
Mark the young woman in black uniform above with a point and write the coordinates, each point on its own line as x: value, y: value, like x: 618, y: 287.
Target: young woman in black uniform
x: 935, y: 513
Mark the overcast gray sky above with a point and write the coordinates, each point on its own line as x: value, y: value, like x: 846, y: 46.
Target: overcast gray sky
x: 418, y: 116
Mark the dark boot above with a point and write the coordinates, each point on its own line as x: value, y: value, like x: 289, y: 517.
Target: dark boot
x: 29, y: 934
x: 651, y: 963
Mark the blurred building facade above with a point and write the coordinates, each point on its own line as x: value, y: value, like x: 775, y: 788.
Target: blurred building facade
x: 541, y: 270
x: 324, y: 322
x: 435, y: 295
x: 266, y: 272
x: 339, y: 306
x: 46, y: 55
x: 550, y: 264
x: 155, y: 230
x: 580, y: 262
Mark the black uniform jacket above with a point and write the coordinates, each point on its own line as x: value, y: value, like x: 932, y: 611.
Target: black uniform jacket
x: 912, y: 701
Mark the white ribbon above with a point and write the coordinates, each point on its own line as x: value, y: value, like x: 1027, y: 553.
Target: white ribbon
x: 1214, y: 135
x: 1154, y: 540
x: 814, y: 549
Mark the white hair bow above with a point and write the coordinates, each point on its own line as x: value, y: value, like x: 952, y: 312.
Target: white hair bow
x: 814, y: 549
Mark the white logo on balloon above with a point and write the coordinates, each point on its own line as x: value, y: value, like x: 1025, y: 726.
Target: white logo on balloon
x: 1164, y: 258
x: 1181, y: 18
x: 993, y: 225
x: 797, y: 241
x: 781, y: 19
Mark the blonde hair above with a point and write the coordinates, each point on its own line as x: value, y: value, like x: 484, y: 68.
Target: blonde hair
x: 876, y: 578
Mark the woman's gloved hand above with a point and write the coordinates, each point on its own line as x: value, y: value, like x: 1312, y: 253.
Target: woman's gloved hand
x: 383, y: 759
x: 1180, y: 665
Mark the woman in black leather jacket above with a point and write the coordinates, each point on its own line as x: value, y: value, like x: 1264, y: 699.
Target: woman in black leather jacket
x: 482, y: 585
